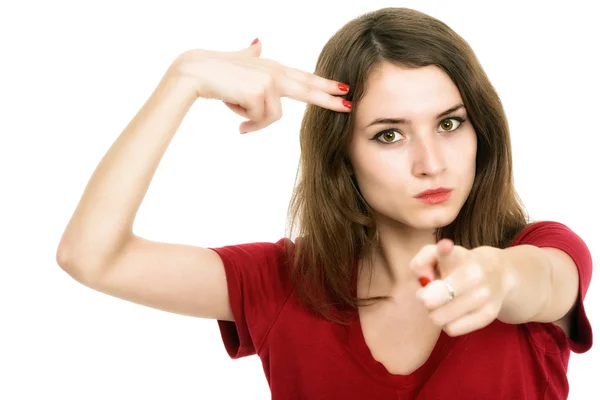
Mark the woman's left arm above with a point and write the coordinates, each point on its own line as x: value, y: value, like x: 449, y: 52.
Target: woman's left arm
x: 543, y: 284
x: 524, y: 283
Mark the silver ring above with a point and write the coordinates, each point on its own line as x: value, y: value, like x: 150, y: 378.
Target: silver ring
x: 451, y: 293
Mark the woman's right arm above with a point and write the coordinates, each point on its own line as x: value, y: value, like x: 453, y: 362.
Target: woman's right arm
x: 98, y: 247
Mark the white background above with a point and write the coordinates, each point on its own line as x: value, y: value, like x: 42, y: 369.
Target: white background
x: 72, y: 75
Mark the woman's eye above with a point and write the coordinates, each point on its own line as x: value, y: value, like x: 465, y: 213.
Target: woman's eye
x: 389, y: 136
x: 450, y: 124
x: 393, y: 135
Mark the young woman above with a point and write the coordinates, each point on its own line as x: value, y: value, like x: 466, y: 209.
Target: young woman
x: 411, y: 269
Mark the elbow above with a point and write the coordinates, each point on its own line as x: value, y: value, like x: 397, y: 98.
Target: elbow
x: 66, y: 261
x: 63, y: 258
x: 86, y: 260
x: 79, y: 268
x: 86, y: 263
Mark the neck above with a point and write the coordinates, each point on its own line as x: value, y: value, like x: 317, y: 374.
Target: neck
x: 390, y: 260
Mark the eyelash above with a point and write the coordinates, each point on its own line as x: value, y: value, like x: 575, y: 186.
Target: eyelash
x: 459, y: 119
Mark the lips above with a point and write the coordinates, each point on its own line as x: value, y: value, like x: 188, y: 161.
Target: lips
x: 435, y: 191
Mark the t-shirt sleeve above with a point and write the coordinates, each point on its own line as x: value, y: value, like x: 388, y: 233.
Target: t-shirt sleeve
x: 258, y: 283
x: 559, y: 236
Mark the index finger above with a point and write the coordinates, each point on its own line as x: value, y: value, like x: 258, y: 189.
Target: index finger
x: 449, y: 256
x: 317, y: 82
x: 313, y: 89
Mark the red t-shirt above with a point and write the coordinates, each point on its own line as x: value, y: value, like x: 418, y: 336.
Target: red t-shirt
x: 307, y: 357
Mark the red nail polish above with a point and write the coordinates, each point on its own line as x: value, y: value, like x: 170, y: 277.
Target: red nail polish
x: 254, y: 42
x: 424, y: 281
x: 343, y: 87
x: 347, y: 103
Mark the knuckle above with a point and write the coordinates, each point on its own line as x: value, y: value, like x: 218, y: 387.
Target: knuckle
x: 268, y: 82
x: 256, y: 93
x: 306, y: 91
x: 267, y: 79
x: 475, y: 274
x: 483, y: 294
x: 311, y: 78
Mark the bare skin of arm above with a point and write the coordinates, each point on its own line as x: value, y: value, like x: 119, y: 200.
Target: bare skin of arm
x: 98, y: 247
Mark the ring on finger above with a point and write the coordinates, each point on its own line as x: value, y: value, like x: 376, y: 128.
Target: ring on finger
x: 451, y: 293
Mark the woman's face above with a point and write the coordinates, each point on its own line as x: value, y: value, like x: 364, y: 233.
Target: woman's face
x: 409, y: 137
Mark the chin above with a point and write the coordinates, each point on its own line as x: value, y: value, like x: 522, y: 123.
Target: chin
x: 430, y: 219
x: 419, y: 217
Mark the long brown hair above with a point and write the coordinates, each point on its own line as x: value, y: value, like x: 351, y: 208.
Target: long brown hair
x: 333, y: 223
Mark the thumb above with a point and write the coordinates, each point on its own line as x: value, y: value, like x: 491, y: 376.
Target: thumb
x: 424, y: 264
x: 253, y: 50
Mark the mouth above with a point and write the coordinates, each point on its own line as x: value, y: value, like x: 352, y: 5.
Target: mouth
x: 434, y: 196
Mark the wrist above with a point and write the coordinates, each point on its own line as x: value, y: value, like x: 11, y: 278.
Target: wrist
x: 502, y: 266
x: 509, y: 285
x: 178, y: 86
x: 509, y: 275
x: 187, y: 73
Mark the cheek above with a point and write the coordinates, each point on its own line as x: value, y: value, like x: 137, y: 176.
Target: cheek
x: 462, y: 154
x: 380, y: 180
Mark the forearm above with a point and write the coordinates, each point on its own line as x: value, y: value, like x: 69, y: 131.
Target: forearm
x: 103, y: 219
x: 532, y: 290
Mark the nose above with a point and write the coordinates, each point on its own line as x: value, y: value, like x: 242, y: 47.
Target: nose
x: 427, y: 157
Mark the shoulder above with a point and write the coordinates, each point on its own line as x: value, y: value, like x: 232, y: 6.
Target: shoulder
x: 553, y: 234
x: 543, y: 228
x: 257, y: 255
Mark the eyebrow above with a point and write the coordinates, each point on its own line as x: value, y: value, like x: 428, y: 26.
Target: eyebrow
x: 398, y: 121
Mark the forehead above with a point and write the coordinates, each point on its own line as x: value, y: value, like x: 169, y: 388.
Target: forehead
x: 412, y: 93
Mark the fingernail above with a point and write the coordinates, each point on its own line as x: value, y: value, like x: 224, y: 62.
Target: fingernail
x: 347, y: 103
x: 424, y: 281
x: 254, y: 42
x: 343, y: 87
